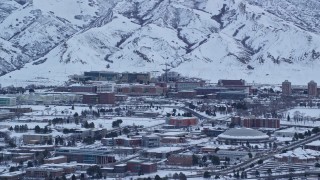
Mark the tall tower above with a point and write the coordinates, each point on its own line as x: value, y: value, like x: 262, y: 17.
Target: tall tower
x: 286, y: 88
x: 312, y: 89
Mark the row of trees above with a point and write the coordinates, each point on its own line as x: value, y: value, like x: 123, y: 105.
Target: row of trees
x: 20, y: 129
x: 38, y: 129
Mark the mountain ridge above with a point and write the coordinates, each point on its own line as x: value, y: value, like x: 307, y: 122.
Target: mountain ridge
x: 265, y: 41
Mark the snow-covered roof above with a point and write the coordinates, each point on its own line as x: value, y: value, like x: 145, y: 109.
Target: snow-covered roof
x: 243, y: 133
x: 314, y: 143
x: 163, y: 149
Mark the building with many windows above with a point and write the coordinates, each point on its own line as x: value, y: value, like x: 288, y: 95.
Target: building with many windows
x: 312, y: 89
x: 8, y: 101
x: 89, y: 156
x: 253, y: 122
x: 286, y: 88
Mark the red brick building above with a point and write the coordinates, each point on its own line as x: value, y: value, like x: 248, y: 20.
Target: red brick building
x: 256, y: 122
x: 286, y: 88
x: 148, y: 167
x: 139, y: 166
x: 106, y: 98
x: 183, y: 121
x: 141, y: 90
x: 101, y: 98
x: 90, y: 99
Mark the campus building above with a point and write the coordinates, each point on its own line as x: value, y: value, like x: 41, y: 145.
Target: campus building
x: 253, y: 122
x: 8, y: 101
x: 286, y: 88
x: 89, y: 156
x: 243, y: 135
x: 181, y: 122
x: 312, y: 89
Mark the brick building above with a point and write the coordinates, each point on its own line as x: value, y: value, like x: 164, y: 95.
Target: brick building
x: 173, y: 140
x: 286, y: 88
x: 44, y: 173
x: 254, y: 122
x: 180, y: 122
x: 139, y: 166
x: 141, y: 90
x: 36, y: 138
x: 100, y: 98
x: 90, y: 99
x: 312, y: 89
x: 106, y: 98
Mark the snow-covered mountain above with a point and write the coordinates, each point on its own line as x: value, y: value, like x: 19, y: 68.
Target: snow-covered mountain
x: 262, y: 41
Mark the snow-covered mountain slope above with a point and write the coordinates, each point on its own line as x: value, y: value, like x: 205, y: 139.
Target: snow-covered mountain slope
x: 265, y: 41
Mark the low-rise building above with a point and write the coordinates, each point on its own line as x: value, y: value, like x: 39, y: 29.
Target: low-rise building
x: 187, y: 94
x: 254, y: 122
x: 181, y: 122
x: 36, y: 138
x: 161, y: 152
x: 44, y: 173
x: 89, y: 156
x: 314, y: 145
x: 290, y: 132
x: 189, y: 85
x: 8, y: 101
x: 56, y: 160
x: 298, y: 155
x: 212, y: 132
x: 180, y: 160
x: 16, y: 175
x: 151, y: 141
x: 141, y: 167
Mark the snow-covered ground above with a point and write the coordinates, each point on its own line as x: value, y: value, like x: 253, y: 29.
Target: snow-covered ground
x: 250, y: 40
x: 128, y: 121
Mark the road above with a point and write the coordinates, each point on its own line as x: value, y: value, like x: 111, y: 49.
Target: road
x: 266, y: 156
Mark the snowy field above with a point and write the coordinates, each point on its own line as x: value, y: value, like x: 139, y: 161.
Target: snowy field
x: 312, y: 112
x: 128, y: 121
x: 308, y: 117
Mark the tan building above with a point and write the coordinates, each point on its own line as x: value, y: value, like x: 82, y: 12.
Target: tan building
x: 36, y: 138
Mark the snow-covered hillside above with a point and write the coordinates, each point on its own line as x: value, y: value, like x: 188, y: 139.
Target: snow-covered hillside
x: 262, y: 41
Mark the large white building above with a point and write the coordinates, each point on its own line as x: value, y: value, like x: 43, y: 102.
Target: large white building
x: 243, y: 135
